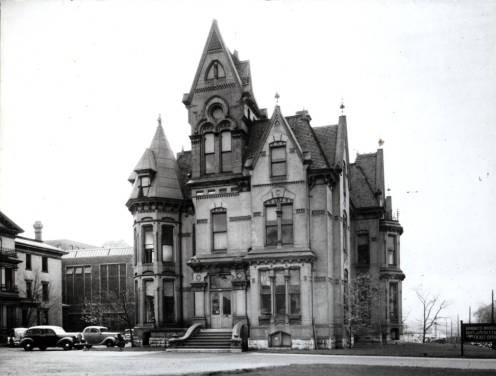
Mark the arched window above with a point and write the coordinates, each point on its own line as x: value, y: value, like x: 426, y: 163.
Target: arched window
x: 209, y: 153
x: 226, y: 154
x: 215, y: 71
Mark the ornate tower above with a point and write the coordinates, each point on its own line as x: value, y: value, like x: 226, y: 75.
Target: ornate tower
x: 221, y: 107
x: 157, y: 204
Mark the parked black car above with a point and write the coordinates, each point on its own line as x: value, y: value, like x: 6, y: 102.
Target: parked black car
x: 50, y: 336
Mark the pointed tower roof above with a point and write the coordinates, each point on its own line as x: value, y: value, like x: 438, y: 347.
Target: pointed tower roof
x: 237, y: 71
x: 158, y: 161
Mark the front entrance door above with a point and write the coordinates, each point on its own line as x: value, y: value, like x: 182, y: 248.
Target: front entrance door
x: 220, y: 308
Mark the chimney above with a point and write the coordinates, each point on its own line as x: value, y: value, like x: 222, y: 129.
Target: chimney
x: 389, y: 208
x: 37, y: 230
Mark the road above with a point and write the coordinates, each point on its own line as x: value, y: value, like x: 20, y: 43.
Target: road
x: 93, y: 362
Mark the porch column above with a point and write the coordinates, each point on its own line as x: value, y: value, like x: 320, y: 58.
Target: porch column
x: 239, y: 297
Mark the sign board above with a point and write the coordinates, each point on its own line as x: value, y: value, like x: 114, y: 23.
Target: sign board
x: 479, y: 332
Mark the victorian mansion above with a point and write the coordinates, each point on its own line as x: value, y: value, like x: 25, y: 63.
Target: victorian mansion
x: 265, y: 221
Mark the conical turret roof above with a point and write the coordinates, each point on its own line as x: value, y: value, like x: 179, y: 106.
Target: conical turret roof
x: 159, y: 162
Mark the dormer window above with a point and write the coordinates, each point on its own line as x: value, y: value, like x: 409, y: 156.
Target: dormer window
x: 278, y: 159
x: 209, y: 153
x: 226, y: 160
x: 144, y: 184
x: 215, y: 71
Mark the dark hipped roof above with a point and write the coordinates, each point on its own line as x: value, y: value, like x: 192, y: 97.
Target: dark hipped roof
x: 7, y: 225
x: 366, y: 180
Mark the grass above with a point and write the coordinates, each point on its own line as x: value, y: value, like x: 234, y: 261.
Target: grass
x: 347, y: 370
x: 433, y: 350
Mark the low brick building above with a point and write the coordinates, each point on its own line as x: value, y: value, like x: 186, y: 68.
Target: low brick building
x: 98, y: 283
x: 265, y: 221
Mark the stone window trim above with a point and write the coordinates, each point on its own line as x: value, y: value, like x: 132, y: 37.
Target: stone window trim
x: 278, y: 159
x: 290, y: 308
x: 283, y: 223
x: 219, y: 229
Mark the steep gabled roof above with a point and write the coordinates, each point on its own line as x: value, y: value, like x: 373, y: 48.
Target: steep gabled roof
x: 160, y: 159
x: 214, y: 43
x: 367, y: 180
x: 308, y: 140
x: 327, y: 137
x: 277, y: 118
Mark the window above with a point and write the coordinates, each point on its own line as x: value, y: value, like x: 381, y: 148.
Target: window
x: 148, y: 245
x: 345, y: 233
x: 278, y: 159
x: 215, y: 71
x: 283, y: 288
x: 135, y: 247
x: 113, y: 278
x: 294, y: 292
x: 69, y: 284
x: 44, y: 264
x: 167, y: 243
x: 265, y: 293
x: 278, y: 222
x: 169, y: 315
x: 393, y: 302
x: 87, y: 283
x: 209, y: 152
x: 363, y: 252
x: 149, y: 302
x: 29, y: 289
x: 78, y: 284
x: 219, y: 229
x: 28, y: 261
x: 145, y: 184
x: 391, y: 250
x: 44, y: 291
x: 226, y: 160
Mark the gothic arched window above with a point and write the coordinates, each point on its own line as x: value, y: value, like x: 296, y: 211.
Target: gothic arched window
x: 215, y: 70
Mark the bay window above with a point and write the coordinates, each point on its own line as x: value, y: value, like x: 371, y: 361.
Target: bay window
x: 167, y: 243
x: 148, y: 248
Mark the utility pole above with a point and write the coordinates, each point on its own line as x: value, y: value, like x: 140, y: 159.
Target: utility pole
x: 469, y: 314
x: 492, y: 306
x: 446, y: 328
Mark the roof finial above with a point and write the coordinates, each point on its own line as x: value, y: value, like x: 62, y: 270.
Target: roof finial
x: 342, y: 107
x: 159, y: 119
x: 277, y: 96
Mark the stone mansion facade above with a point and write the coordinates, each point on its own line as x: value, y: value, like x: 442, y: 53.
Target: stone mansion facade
x: 265, y: 221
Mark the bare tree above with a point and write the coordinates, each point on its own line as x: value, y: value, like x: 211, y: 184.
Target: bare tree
x: 359, y: 297
x: 432, y: 307
x: 39, y: 298
x: 116, y: 304
x: 483, y: 313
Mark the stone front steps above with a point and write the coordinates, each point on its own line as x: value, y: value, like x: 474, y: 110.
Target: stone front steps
x: 206, y: 340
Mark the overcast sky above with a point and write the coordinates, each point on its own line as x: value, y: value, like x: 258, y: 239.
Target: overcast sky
x: 82, y: 84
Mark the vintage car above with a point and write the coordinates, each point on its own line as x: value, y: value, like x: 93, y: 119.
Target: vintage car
x: 16, y: 336
x: 99, y: 335
x: 44, y: 336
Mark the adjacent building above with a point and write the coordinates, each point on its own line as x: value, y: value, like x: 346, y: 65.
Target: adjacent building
x: 98, y: 288
x: 264, y: 221
x: 31, y: 280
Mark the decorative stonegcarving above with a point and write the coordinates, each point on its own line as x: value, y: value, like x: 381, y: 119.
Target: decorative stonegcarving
x: 202, y: 221
x: 227, y: 85
x: 318, y: 212
x: 277, y: 184
x: 300, y: 211
x: 240, y: 218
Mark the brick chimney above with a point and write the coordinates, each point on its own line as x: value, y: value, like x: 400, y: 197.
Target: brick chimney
x: 37, y: 230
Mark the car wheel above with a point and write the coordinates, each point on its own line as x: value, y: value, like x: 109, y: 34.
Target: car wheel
x: 110, y: 343
x: 67, y: 346
x: 28, y: 346
x: 87, y: 346
x: 43, y: 348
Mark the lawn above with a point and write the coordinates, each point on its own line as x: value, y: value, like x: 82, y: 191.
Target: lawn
x: 434, y: 350
x: 346, y: 370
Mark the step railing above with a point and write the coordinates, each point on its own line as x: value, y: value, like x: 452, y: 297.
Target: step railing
x: 240, y: 334
x: 175, y: 342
